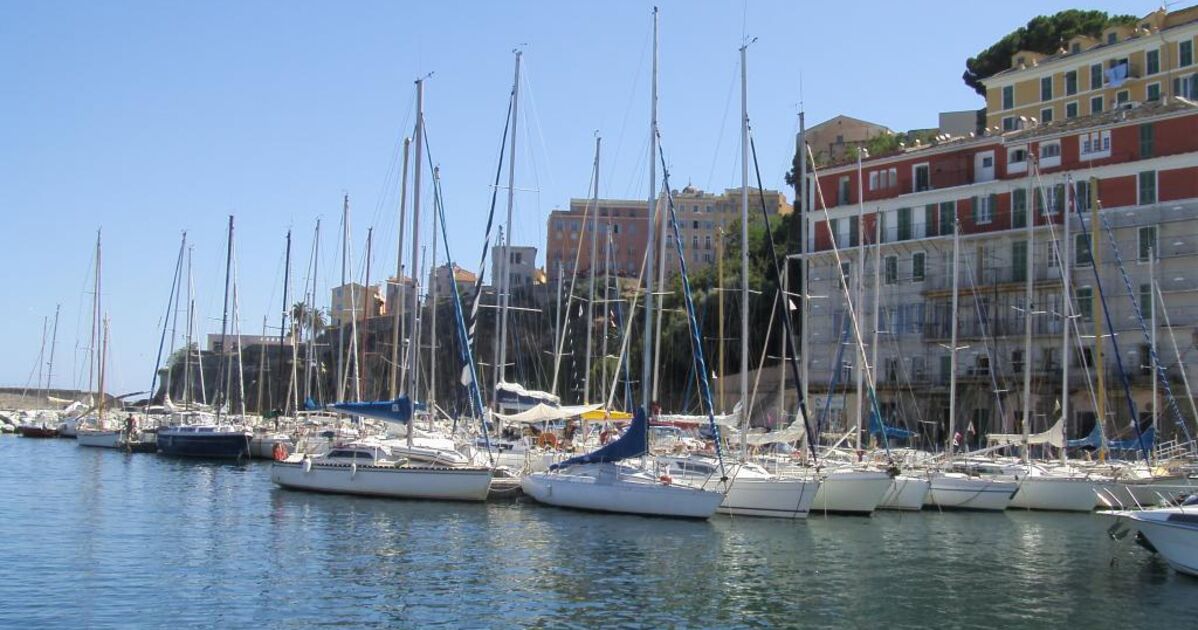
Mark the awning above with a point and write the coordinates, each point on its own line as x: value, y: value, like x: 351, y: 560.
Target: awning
x: 544, y: 413
x: 1054, y: 436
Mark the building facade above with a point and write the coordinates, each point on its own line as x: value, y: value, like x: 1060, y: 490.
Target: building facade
x: 703, y: 219
x: 1139, y: 164
x: 1130, y: 64
x: 353, y: 300
x: 444, y: 277
x: 522, y: 268
x: 831, y: 139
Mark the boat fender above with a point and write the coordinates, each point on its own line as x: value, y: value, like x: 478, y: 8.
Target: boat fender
x: 665, y: 480
x: 353, y: 470
x: 307, y: 464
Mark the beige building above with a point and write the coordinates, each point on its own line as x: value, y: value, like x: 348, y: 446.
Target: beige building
x: 1146, y: 62
x: 352, y: 300
x: 831, y: 139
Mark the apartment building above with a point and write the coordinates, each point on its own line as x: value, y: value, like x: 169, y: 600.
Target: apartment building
x: 703, y: 218
x: 1129, y: 64
x: 1139, y: 163
x: 354, y: 300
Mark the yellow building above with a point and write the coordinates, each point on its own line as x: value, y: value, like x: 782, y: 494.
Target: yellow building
x: 1151, y: 60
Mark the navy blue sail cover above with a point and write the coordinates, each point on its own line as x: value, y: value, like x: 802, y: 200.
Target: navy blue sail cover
x: 633, y: 443
x: 398, y: 410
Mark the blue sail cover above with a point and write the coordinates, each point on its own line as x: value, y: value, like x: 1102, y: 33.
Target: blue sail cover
x: 633, y: 443
x: 1133, y: 443
x: 398, y: 410
x: 894, y: 433
x: 1094, y: 440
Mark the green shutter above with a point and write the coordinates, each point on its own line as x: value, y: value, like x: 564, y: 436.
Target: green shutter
x: 973, y: 202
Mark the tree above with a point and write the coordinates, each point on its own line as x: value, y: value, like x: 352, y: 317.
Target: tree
x: 1043, y: 34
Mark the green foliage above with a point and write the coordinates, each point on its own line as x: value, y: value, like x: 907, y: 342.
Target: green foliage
x: 1043, y: 34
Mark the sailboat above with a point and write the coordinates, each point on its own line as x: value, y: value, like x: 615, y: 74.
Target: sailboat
x: 93, y: 430
x: 220, y: 438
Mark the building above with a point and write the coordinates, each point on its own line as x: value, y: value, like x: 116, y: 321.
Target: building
x: 703, y: 218
x: 465, y: 280
x: 392, y: 302
x: 522, y: 269
x: 961, y: 123
x: 831, y: 139
x: 1142, y: 63
x: 1144, y: 165
x: 216, y: 346
x: 352, y: 300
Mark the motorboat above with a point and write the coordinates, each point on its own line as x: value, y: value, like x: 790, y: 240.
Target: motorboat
x: 1172, y: 532
x: 223, y: 441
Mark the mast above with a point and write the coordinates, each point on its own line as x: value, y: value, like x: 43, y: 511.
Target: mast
x: 191, y: 313
x: 53, y: 344
x: 505, y: 282
x: 952, y: 343
x: 1096, y: 261
x: 103, y: 356
x: 414, y: 345
x: 310, y: 314
x: 41, y: 355
x: 224, y: 324
x: 92, y: 360
x: 606, y: 308
x: 1066, y: 262
x: 397, y: 323
x: 283, y: 322
x: 744, y: 252
x: 360, y: 372
x: 340, y: 323
x: 856, y: 310
x: 1151, y: 358
x: 432, y: 309
x: 877, y: 309
x: 1029, y: 263
x: 647, y: 349
x: 719, y: 257
x: 802, y: 208
x: 590, y: 325
x: 261, y: 365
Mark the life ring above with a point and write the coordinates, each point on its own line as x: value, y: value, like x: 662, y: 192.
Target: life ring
x: 665, y: 480
x: 280, y: 452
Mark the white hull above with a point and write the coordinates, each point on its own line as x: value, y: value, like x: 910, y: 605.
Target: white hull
x: 69, y: 428
x: 263, y: 446
x: 449, y: 484
x: 100, y: 439
x: 851, y: 492
x: 1175, y: 540
x: 611, y: 492
x: 959, y: 492
x: 773, y: 498
x: 1062, y: 494
x: 905, y: 493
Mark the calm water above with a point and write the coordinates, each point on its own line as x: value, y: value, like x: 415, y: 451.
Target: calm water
x: 99, y: 538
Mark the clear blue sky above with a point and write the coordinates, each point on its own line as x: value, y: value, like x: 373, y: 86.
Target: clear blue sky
x: 149, y: 118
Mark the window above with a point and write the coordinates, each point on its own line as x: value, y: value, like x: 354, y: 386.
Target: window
x: 1009, y: 123
x: 1112, y: 37
x: 842, y: 191
x: 1152, y: 61
x: 1186, y: 87
x: 1046, y: 115
x: 1154, y: 92
x: 1096, y: 76
x: 1018, y: 261
x: 695, y: 242
x: 1147, y: 140
x: 948, y: 216
x: 1017, y: 360
x: 1075, y: 48
x: 1071, y: 83
x: 854, y: 232
x: 1147, y: 243
x: 946, y: 368
x: 891, y: 264
x: 1018, y: 208
x: 904, y: 224
x: 1185, y: 53
x: 1122, y: 96
x: 1081, y: 194
x: 983, y: 209
x: 1081, y: 251
x: 1096, y: 144
x: 873, y: 180
x: 1050, y: 154
x: 1146, y: 300
x: 1071, y: 110
x: 846, y: 271
x: 707, y: 242
x: 1008, y: 97
x: 1046, y: 89
x: 834, y: 230
x: 918, y: 260
x: 1147, y: 188
x: 893, y: 178
x: 1085, y: 303
x: 921, y: 173
x: 1016, y: 156
x: 1096, y: 105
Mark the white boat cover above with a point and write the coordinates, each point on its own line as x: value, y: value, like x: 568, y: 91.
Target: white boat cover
x: 544, y: 413
x: 731, y: 420
x: 792, y: 433
x: 1055, y: 436
x: 519, y: 393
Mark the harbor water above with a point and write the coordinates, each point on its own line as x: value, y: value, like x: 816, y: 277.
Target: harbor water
x: 98, y: 538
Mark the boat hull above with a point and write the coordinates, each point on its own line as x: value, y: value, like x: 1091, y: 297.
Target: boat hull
x: 1176, y: 542
x: 37, y: 432
x: 446, y: 484
x: 1060, y: 494
x: 855, y: 492
x: 970, y: 493
x: 215, y: 445
x: 905, y: 493
x: 100, y: 439
x: 597, y: 494
x: 1141, y: 492
x: 771, y: 498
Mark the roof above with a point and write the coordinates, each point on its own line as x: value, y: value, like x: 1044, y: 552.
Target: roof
x: 842, y: 118
x: 1146, y: 110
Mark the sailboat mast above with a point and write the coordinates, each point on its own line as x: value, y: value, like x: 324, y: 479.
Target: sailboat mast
x: 310, y: 313
x: 877, y: 313
x: 505, y: 282
x: 856, y: 309
x: 53, y: 344
x: 590, y: 324
x: 952, y: 343
x: 191, y: 311
x: 434, y: 294
x: 414, y: 338
x: 719, y: 292
x: 1151, y: 358
x: 103, y: 355
x: 1066, y: 263
x: 262, y: 366
x: 1099, y: 342
x: 606, y: 299
x: 92, y: 361
x: 283, y: 323
x: 744, y: 252
x: 1029, y: 262
x: 647, y: 347
x: 397, y: 323
x: 341, y: 324
x: 360, y: 372
x: 802, y: 210
x: 224, y: 323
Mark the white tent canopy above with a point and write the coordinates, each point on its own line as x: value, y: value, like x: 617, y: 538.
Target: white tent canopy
x: 545, y: 413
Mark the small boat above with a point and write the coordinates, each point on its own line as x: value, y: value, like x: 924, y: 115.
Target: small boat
x: 223, y: 441
x: 371, y: 468
x: 37, y: 431
x: 100, y: 438
x: 1171, y: 531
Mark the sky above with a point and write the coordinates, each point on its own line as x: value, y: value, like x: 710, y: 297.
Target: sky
x: 148, y: 119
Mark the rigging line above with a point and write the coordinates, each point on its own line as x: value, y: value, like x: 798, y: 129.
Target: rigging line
x: 1180, y: 362
x: 574, y: 275
x: 791, y: 346
x: 987, y: 339
x: 472, y: 321
x: 723, y: 124
x: 632, y: 97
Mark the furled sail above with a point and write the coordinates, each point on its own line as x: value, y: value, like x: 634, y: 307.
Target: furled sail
x: 632, y: 443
